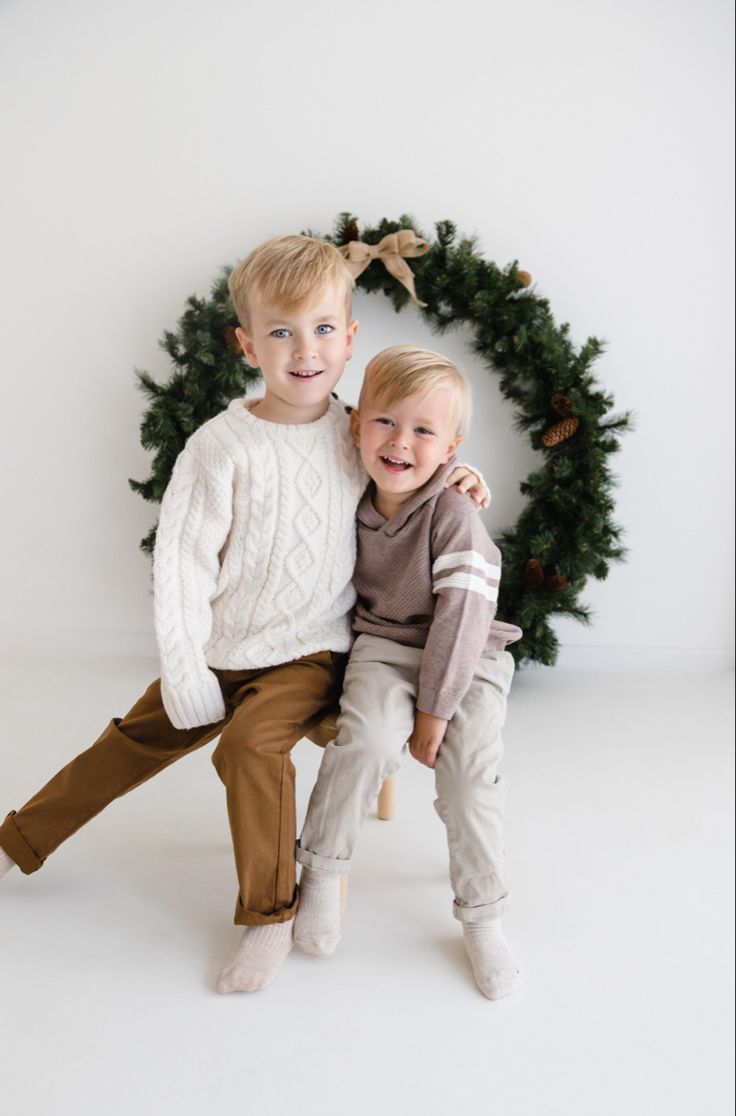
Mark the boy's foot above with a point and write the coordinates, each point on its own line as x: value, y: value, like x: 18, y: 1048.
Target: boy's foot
x: 258, y: 958
x: 496, y: 970
x: 6, y: 863
x: 317, y: 923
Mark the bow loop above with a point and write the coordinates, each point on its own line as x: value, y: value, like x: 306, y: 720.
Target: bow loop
x: 392, y: 250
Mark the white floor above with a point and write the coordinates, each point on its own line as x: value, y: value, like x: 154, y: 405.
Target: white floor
x: 620, y: 852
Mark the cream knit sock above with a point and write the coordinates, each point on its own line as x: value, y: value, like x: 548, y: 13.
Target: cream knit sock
x: 317, y: 924
x: 6, y: 863
x: 258, y: 958
x: 495, y: 968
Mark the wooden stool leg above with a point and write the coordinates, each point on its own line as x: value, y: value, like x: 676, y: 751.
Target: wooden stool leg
x: 387, y: 799
x: 343, y: 896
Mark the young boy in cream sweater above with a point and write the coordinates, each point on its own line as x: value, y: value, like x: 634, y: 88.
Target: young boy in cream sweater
x: 252, y: 596
x: 429, y: 665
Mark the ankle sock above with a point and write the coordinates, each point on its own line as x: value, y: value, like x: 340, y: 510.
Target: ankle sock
x: 496, y: 970
x: 258, y: 958
x: 318, y: 923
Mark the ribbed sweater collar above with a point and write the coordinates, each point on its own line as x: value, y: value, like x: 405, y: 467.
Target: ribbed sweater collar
x: 369, y: 517
x: 241, y: 417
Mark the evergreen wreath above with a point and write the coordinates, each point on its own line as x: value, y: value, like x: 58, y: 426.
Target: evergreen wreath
x: 565, y: 532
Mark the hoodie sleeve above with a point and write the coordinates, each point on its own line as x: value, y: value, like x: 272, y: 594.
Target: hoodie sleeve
x: 466, y: 572
x: 196, y: 514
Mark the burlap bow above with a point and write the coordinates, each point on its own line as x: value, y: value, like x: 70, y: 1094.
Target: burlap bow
x: 393, y: 251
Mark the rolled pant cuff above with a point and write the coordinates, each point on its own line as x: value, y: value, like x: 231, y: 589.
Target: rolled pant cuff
x: 17, y: 847
x: 485, y: 913
x: 323, y: 863
x: 244, y: 917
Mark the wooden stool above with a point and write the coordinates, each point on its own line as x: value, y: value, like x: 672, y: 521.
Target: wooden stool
x: 326, y: 731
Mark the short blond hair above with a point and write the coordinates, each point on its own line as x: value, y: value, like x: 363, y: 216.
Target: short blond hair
x: 404, y: 370
x: 287, y: 271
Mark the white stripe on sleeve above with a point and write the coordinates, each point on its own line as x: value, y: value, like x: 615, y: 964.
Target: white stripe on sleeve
x: 467, y: 581
x: 466, y: 558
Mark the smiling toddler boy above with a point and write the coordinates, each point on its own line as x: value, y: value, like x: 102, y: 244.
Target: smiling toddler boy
x: 429, y: 664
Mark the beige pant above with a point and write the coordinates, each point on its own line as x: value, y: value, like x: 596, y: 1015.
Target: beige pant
x: 376, y: 720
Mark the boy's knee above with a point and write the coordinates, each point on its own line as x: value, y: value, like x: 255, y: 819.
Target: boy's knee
x: 370, y: 749
x: 477, y: 775
x: 233, y: 750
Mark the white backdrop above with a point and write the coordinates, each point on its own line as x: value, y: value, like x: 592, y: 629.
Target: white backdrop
x: 147, y: 144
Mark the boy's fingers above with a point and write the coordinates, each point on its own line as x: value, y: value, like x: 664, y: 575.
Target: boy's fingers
x: 421, y: 755
x: 462, y: 484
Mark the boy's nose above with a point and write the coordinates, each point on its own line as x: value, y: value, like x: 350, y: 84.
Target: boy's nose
x: 303, y: 346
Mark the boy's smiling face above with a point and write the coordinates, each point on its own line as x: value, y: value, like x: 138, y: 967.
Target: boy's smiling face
x: 302, y: 354
x: 402, y: 444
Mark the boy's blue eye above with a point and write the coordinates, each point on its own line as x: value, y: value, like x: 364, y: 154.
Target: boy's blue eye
x: 279, y: 333
x: 324, y: 327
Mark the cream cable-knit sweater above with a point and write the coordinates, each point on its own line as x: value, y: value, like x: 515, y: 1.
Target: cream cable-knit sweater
x: 255, y: 552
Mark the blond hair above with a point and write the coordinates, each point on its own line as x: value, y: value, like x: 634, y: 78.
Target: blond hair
x: 287, y: 271
x: 403, y: 370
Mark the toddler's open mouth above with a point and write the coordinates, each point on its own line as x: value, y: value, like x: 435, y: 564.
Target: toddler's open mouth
x: 306, y: 373
x: 395, y: 464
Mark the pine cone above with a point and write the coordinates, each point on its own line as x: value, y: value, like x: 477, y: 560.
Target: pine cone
x: 562, y: 405
x: 555, y: 582
x: 350, y: 232
x: 560, y: 431
x: 533, y: 573
x: 231, y: 340
x: 524, y: 278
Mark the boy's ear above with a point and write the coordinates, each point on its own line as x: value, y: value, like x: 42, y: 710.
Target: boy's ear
x: 352, y: 332
x: 247, y: 346
x: 452, y: 447
x: 355, y: 428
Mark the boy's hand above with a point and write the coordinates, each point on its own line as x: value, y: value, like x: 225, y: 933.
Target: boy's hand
x: 425, y: 740
x: 467, y: 480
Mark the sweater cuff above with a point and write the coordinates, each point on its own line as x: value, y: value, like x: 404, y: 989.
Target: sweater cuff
x: 200, y: 704
x: 437, y: 704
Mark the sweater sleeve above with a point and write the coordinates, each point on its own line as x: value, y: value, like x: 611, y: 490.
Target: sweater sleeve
x: 466, y: 571
x: 196, y: 513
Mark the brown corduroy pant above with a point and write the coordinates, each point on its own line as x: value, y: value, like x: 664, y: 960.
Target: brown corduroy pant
x: 268, y: 711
